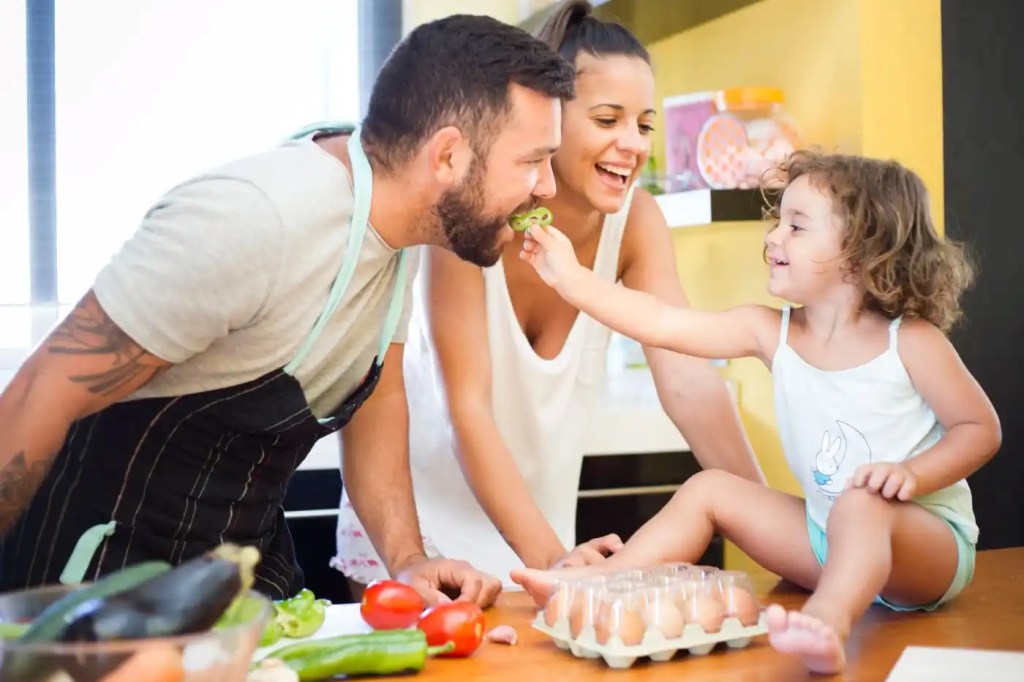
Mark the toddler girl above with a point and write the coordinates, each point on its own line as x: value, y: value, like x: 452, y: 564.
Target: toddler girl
x: 880, y: 421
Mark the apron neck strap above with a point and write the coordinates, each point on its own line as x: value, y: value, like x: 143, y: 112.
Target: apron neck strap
x: 362, y: 183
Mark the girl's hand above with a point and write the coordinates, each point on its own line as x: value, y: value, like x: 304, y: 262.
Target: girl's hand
x: 590, y: 552
x: 551, y: 254
x: 891, y: 480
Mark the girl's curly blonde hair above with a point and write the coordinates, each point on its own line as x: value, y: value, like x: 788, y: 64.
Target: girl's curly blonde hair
x: 889, y: 241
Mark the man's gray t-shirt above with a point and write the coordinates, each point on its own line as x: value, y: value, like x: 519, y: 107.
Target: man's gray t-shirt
x: 228, y: 272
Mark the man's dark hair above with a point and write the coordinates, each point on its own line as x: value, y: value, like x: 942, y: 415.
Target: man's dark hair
x: 456, y: 71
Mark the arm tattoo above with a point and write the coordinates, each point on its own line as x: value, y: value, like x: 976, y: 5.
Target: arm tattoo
x: 19, y: 480
x: 87, y: 331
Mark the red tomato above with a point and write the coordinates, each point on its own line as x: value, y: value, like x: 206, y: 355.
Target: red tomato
x: 390, y: 605
x: 460, y: 622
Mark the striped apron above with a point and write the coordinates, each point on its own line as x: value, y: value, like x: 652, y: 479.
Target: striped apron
x: 171, y: 478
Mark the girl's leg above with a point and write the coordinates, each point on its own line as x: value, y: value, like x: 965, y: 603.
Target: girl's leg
x: 768, y: 525
x: 896, y: 549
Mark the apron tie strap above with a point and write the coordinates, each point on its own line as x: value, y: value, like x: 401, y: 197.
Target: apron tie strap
x: 85, y: 549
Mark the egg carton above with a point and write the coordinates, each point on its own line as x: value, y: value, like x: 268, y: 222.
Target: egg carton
x: 654, y: 644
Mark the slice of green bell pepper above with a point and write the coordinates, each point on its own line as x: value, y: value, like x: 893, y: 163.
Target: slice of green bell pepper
x: 296, y: 617
x: 302, y: 615
x: 538, y: 216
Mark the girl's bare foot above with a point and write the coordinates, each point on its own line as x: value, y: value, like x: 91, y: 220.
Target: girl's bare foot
x: 815, y: 641
x: 538, y: 584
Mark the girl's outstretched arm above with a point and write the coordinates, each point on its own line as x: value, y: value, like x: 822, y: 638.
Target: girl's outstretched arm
x: 746, y: 331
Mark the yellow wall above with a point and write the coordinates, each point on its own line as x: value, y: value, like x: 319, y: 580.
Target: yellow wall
x: 902, y: 88
x: 860, y: 76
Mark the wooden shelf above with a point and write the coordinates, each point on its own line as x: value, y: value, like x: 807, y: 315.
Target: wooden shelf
x: 704, y: 206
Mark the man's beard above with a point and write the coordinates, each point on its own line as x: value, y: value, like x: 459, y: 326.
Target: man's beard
x: 468, y: 232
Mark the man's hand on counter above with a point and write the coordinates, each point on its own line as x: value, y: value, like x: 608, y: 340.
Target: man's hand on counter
x: 441, y: 580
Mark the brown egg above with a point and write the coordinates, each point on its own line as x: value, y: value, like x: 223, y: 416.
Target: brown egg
x: 555, y: 608
x: 631, y: 626
x: 705, y: 611
x: 579, y: 613
x: 741, y: 604
x: 615, y: 619
x: 603, y: 624
x: 665, y: 617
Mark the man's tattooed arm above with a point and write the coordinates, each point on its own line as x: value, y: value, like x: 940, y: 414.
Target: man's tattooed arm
x: 84, y: 365
x: 18, y: 481
x: 112, y: 361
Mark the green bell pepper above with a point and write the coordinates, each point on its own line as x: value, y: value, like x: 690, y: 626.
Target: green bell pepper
x: 302, y: 615
x: 383, y: 652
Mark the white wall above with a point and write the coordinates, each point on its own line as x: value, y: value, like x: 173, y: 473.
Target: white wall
x: 150, y: 92
x: 14, y: 272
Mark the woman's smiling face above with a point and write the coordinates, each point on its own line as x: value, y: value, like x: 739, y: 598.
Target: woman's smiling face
x: 606, y: 130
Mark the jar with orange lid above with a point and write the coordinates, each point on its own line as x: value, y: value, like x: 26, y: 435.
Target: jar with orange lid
x: 749, y: 134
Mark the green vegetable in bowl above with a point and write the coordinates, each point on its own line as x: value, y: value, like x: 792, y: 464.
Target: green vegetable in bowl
x: 272, y: 633
x: 12, y: 630
x: 538, y: 216
x: 243, y: 610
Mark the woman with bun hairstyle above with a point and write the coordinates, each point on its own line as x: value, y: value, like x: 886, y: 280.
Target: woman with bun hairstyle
x: 502, y: 375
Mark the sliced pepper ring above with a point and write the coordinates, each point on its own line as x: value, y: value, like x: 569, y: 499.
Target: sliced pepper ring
x: 538, y: 216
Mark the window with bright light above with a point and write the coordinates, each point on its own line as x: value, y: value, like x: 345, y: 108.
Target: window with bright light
x: 151, y: 92
x: 14, y: 255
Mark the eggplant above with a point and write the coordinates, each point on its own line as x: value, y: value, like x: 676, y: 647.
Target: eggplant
x: 188, y: 598
x: 144, y: 600
x: 49, y: 623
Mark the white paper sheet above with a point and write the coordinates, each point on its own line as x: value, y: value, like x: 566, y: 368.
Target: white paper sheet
x: 935, y: 664
x: 341, y: 619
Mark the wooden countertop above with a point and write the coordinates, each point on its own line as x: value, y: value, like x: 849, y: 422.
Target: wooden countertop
x: 989, y: 614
